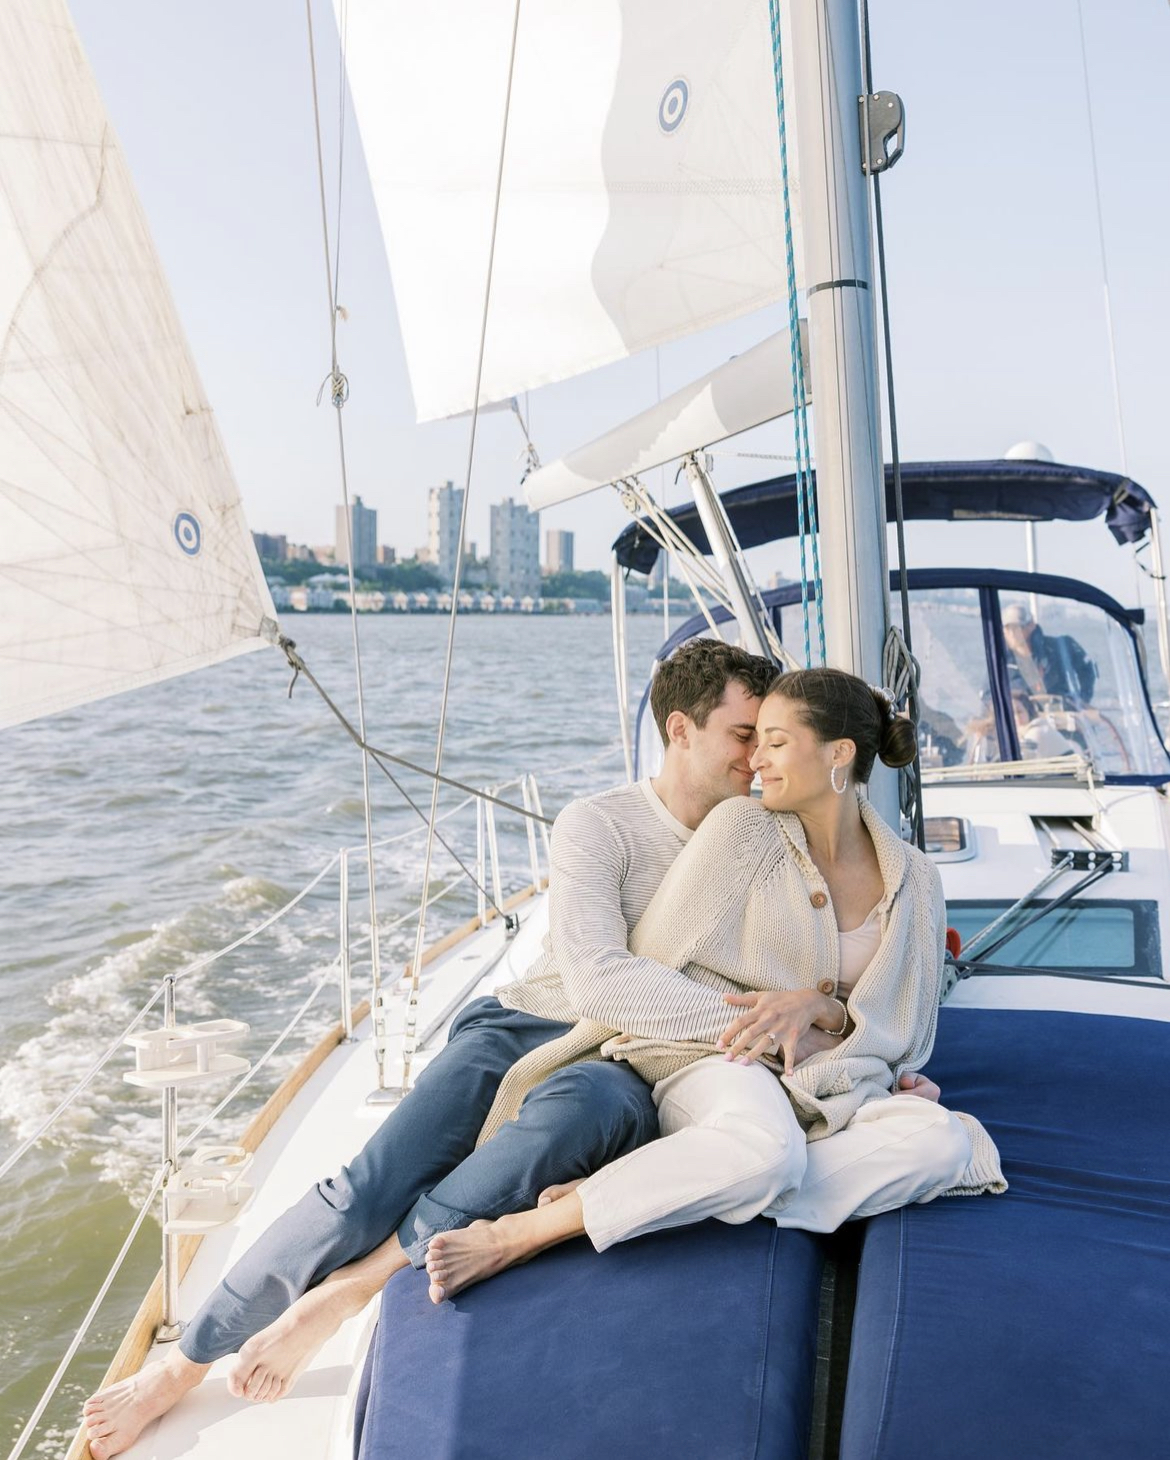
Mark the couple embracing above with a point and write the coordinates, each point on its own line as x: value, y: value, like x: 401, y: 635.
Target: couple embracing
x: 728, y: 1020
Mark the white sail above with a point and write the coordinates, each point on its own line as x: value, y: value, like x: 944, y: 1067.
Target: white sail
x: 641, y: 194
x: 124, y: 554
x: 743, y: 392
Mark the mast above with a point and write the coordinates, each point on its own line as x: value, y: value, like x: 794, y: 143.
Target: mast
x: 827, y: 81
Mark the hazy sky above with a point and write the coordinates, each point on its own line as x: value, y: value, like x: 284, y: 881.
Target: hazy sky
x: 995, y: 269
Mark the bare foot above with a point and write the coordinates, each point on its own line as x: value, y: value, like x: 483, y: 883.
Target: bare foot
x: 457, y: 1259
x: 554, y: 1193
x: 115, y: 1417
x: 270, y: 1363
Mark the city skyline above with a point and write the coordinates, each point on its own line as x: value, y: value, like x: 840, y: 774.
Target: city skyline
x: 994, y: 258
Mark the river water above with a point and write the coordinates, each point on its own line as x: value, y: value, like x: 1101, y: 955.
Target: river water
x: 148, y: 830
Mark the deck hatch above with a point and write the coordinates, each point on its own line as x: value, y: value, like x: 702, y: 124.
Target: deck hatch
x: 1100, y: 935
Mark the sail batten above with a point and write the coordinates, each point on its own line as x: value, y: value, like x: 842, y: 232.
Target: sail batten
x: 124, y: 554
x: 641, y: 197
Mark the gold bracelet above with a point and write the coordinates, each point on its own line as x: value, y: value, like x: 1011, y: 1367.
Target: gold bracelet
x: 837, y: 1033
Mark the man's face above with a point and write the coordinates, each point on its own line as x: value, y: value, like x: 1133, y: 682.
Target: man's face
x: 1017, y: 636
x: 718, y: 759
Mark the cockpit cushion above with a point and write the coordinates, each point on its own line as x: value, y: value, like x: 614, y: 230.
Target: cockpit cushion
x: 1033, y: 1323
x: 697, y: 1342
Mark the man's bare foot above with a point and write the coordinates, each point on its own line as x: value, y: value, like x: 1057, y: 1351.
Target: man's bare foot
x: 455, y: 1260
x: 554, y: 1193
x: 270, y: 1362
x: 115, y: 1417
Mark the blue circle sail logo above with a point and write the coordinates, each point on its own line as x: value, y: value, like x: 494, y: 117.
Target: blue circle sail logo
x: 673, y: 106
x: 188, y: 533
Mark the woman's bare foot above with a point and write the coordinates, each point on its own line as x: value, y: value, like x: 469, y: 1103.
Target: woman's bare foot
x: 115, y: 1417
x: 269, y: 1364
x: 457, y: 1259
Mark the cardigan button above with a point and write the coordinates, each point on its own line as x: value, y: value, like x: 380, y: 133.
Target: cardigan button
x: 818, y: 899
x: 827, y: 986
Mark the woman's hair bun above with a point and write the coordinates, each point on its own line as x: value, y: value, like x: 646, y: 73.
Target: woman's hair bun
x: 899, y: 742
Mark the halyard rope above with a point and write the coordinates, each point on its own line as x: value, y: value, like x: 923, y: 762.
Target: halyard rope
x: 416, y: 962
x: 806, y: 512
x: 339, y: 394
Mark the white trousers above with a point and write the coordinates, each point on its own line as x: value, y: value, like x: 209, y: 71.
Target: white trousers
x: 731, y: 1147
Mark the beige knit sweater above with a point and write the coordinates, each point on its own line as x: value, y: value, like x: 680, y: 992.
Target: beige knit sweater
x: 737, y: 912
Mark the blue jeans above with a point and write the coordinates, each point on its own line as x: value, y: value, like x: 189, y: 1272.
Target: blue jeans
x: 420, y: 1172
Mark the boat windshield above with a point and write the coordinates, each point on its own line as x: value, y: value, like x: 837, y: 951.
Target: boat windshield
x: 1009, y: 676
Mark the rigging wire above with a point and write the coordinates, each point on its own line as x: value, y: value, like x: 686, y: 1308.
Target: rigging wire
x: 381, y: 756
x: 806, y: 513
x: 71, y: 1352
x: 339, y: 393
x: 1100, y: 218
x: 416, y: 962
x: 895, y: 641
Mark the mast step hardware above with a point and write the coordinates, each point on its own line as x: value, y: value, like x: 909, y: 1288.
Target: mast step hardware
x: 1085, y: 859
x: 185, y: 1054
x: 208, y: 1191
x: 882, y: 116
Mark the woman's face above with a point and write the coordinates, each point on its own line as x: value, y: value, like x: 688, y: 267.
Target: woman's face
x: 793, y: 765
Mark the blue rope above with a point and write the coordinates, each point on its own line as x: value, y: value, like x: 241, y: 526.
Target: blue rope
x: 806, y: 509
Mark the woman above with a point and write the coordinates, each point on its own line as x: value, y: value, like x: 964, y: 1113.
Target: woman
x: 827, y: 931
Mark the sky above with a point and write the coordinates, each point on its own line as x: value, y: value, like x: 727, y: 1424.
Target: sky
x: 995, y: 269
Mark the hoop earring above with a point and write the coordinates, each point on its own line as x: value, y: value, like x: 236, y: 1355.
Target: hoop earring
x: 844, y: 786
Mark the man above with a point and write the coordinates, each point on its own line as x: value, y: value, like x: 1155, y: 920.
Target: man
x: 1040, y: 665
x: 421, y: 1172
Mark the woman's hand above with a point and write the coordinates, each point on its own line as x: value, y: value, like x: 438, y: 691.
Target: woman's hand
x: 771, y: 1022
x: 914, y: 1083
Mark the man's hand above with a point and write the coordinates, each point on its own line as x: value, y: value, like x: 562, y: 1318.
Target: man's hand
x: 815, y: 1041
x: 913, y: 1083
x: 771, y: 1022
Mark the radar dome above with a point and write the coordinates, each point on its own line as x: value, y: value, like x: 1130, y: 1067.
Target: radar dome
x: 1028, y: 451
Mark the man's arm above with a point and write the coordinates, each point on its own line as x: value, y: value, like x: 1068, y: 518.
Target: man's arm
x: 588, y: 935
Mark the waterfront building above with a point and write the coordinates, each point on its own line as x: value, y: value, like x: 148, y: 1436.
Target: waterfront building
x: 515, y: 551
x: 363, y: 532
x: 444, y: 512
x: 305, y: 599
x: 558, y: 551
x: 271, y: 545
x: 387, y: 555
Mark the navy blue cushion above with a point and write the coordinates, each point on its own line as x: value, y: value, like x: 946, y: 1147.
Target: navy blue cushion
x: 1034, y: 1323
x: 697, y: 1342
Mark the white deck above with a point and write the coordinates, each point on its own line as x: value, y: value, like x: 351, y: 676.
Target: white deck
x: 330, y: 1120
x: 325, y: 1125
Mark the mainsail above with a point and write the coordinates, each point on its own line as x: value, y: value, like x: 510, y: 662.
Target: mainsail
x: 641, y: 197
x: 124, y: 554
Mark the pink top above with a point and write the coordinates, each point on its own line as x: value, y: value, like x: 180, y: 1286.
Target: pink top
x: 858, y: 946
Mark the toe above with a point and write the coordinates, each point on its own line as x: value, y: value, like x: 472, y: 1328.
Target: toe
x: 436, y: 1293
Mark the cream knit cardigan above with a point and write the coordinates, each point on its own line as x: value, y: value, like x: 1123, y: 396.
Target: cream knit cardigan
x: 736, y: 912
